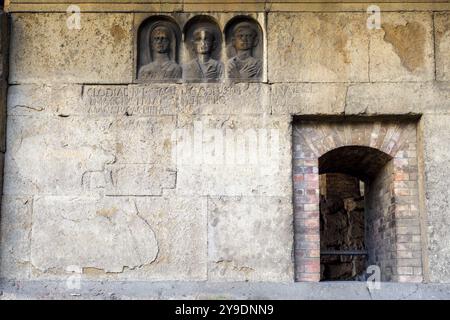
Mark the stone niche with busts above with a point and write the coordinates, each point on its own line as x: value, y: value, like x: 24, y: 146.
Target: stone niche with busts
x: 196, y: 48
x: 153, y: 140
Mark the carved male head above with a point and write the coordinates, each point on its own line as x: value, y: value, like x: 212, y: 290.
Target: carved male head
x: 160, y: 39
x: 203, y: 40
x: 244, y: 36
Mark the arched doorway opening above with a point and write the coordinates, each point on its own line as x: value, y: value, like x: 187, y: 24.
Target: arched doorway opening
x: 353, y: 181
x: 355, y: 189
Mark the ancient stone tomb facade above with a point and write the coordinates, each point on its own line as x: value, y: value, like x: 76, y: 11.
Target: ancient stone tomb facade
x: 255, y: 141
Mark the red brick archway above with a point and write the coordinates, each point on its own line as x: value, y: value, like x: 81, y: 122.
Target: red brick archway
x: 382, y: 153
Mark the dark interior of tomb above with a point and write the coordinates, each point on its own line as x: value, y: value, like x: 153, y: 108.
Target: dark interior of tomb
x: 344, y: 173
x: 341, y: 227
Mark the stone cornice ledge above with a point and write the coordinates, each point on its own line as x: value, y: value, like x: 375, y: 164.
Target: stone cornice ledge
x: 223, y: 5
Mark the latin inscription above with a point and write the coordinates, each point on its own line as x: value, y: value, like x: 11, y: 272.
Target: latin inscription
x: 168, y: 99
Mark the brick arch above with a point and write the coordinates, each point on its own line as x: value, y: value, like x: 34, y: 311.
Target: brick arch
x: 361, y: 162
x: 388, y: 137
x: 394, y: 139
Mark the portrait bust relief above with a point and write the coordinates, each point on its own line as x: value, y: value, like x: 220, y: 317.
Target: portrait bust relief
x: 203, y: 39
x: 244, y: 39
x: 200, y: 49
x: 159, y: 53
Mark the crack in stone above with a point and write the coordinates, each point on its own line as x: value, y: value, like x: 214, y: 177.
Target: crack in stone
x: 226, y: 263
x: 151, y: 229
x: 412, y: 293
x: 28, y: 107
x: 370, y: 293
x: 345, y: 99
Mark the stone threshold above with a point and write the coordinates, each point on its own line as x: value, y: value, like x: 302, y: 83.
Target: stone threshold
x: 118, y: 290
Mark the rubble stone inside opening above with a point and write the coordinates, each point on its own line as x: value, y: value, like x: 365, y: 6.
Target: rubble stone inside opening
x: 355, y: 195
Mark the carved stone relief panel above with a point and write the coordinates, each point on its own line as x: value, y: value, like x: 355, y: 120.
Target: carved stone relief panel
x: 217, y: 47
x: 158, y: 49
x: 244, y: 49
x: 203, y: 41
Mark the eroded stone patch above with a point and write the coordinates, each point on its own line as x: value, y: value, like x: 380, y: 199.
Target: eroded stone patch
x: 249, y: 239
x: 442, y: 35
x: 107, y: 234
x: 408, y: 42
x: 318, y: 47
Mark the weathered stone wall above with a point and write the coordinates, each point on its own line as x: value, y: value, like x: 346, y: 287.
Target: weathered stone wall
x: 381, y: 224
x: 91, y: 178
x: 4, y: 55
x: 436, y: 192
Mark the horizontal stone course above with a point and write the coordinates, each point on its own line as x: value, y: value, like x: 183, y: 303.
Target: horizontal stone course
x: 116, y: 238
x: 221, y: 5
x: 259, y: 99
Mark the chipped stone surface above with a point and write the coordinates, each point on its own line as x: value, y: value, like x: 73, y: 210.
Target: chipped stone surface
x: 442, y: 35
x: 397, y: 98
x: 138, y: 179
x: 180, y: 227
x: 75, y: 155
x: 436, y: 135
x: 45, y: 50
x: 245, y: 155
x: 34, y: 100
x: 119, y: 237
x: 143, y: 139
x: 310, y: 98
x: 250, y: 239
x: 239, y: 98
x: 402, y: 50
x: 3, y: 107
x: 49, y: 155
x: 317, y: 47
x: 15, y: 237
x: 108, y: 234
